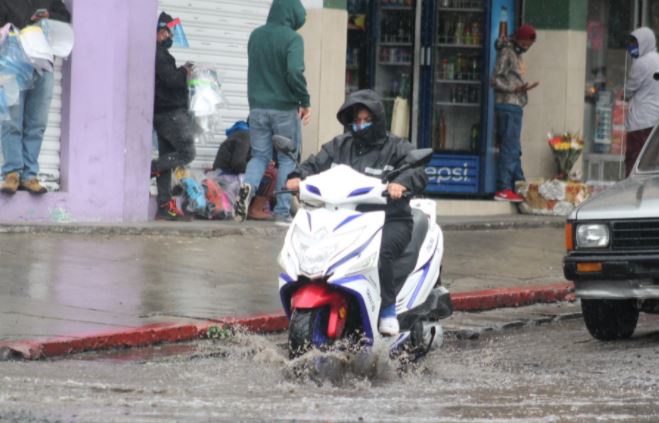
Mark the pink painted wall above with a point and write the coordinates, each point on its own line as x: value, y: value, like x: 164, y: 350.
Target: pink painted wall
x: 106, y: 119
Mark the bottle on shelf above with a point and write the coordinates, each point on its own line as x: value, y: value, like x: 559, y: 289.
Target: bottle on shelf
x: 474, y: 69
x: 460, y: 67
x: 476, y: 36
x: 474, y: 136
x: 443, y: 74
x: 459, y: 32
x: 467, y: 35
x: 450, y: 69
x: 452, y: 98
x: 459, y: 95
x: 442, y: 132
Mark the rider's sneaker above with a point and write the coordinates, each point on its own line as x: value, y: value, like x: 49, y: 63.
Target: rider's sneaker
x: 388, y: 321
x: 242, y: 203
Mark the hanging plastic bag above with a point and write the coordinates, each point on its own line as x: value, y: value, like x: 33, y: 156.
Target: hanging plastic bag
x: 400, y: 120
x: 14, y: 61
x: 60, y: 36
x: 11, y: 90
x: 178, y: 34
x: 35, y: 44
x: 206, y: 99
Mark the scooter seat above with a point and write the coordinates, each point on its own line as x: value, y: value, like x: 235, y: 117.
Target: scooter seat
x: 405, y: 264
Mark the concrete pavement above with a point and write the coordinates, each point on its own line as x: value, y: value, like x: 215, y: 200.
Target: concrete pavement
x: 69, y: 288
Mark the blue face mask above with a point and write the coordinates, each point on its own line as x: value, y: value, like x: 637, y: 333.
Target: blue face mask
x: 360, y: 127
x: 633, y: 51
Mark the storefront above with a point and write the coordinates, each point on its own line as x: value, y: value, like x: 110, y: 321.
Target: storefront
x: 609, y: 24
x: 431, y: 62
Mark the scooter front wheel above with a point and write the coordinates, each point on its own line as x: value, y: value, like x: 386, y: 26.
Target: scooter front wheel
x: 307, y: 328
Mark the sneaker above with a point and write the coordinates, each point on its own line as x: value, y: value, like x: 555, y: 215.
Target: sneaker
x: 32, y: 186
x: 169, y: 211
x: 388, y: 321
x: 10, y: 184
x: 242, y: 203
x: 508, y: 195
x: 283, y: 220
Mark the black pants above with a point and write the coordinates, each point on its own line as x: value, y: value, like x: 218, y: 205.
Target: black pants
x: 396, y: 234
x: 175, y: 148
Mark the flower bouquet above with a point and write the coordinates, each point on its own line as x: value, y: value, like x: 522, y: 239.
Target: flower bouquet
x: 566, y: 150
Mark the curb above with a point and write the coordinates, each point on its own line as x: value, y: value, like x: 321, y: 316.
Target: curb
x: 173, y: 332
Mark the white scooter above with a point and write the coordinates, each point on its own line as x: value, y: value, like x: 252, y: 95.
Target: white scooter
x: 329, y: 286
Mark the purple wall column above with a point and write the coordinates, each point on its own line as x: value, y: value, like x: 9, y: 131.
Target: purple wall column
x: 107, y: 119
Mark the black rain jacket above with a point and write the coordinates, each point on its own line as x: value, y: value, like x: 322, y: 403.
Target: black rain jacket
x: 371, y: 151
x: 19, y: 12
x: 171, y: 83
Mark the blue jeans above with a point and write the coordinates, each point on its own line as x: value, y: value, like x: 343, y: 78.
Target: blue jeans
x: 22, y: 135
x: 509, y: 130
x: 263, y: 124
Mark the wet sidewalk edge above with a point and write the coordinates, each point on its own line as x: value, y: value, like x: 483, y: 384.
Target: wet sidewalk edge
x: 215, y: 229
x: 172, y: 332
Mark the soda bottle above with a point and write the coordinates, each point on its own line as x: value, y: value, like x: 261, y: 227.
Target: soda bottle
x: 503, y: 23
x: 442, y: 131
x: 476, y: 33
x: 473, y: 138
x: 459, y: 32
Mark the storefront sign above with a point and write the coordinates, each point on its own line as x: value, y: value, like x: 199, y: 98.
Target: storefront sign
x: 453, y: 174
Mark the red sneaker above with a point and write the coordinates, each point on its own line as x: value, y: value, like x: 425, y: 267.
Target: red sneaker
x: 169, y: 211
x: 508, y: 195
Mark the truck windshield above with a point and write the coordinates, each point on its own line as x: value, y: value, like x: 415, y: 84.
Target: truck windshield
x: 649, y: 161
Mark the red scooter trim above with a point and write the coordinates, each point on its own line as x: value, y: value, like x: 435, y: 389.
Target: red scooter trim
x: 314, y: 295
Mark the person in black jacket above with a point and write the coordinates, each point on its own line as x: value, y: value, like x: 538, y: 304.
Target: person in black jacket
x: 171, y: 120
x: 22, y: 135
x: 371, y: 150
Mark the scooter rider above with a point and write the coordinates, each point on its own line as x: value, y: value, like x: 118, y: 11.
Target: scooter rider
x: 369, y: 149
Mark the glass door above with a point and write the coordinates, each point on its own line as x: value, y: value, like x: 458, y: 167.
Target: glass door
x: 458, y: 76
x: 394, y: 60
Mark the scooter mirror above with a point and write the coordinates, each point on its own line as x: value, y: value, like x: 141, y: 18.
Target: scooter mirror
x: 419, y: 156
x: 283, y: 144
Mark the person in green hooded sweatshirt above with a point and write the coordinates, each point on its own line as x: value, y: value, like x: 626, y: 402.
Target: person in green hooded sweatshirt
x: 278, y: 99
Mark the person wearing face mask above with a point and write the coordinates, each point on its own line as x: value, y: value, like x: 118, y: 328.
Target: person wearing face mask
x: 368, y: 148
x: 171, y: 120
x: 642, y: 92
x: 510, y: 98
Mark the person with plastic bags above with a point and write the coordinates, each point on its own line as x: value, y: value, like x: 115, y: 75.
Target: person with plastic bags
x: 22, y: 134
x: 171, y: 121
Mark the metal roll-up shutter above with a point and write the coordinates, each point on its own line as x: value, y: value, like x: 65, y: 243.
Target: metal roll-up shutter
x: 49, y: 158
x: 218, y: 32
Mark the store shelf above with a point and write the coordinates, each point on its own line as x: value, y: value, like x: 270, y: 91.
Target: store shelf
x: 394, y: 44
x: 395, y: 63
x: 449, y: 104
x: 461, y: 9
x: 451, y: 45
x: 396, y: 8
x: 459, y: 81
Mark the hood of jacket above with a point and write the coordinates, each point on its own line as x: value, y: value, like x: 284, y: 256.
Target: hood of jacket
x: 372, y: 101
x: 288, y: 13
x: 647, y: 43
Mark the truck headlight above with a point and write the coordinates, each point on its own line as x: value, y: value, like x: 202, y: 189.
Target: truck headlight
x: 592, y: 235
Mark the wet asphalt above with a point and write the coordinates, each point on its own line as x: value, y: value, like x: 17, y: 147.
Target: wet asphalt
x: 63, y: 284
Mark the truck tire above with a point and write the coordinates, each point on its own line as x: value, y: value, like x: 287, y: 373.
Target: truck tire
x: 608, y: 320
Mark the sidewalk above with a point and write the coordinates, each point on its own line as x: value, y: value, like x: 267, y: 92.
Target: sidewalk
x: 70, y: 288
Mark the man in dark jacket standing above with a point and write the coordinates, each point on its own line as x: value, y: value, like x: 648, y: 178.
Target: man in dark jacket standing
x: 171, y: 120
x: 22, y: 135
x: 278, y: 98
x: 370, y: 149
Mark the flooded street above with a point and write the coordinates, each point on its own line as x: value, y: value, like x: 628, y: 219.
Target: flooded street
x: 547, y: 373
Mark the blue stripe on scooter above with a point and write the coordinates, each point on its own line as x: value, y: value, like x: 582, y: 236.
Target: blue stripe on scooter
x: 286, y: 278
x: 351, y: 255
x: 426, y: 268
x: 346, y: 221
x: 309, y: 219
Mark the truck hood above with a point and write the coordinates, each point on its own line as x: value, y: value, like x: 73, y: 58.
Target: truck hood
x: 636, y: 197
